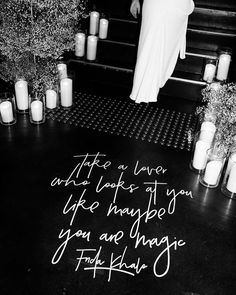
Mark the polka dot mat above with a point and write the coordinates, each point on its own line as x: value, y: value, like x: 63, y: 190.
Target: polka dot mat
x: 144, y: 122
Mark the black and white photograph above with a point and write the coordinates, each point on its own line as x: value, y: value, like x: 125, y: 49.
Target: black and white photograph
x: 118, y: 147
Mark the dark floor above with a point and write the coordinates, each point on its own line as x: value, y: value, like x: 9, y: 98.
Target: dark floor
x: 134, y: 157
x: 36, y: 220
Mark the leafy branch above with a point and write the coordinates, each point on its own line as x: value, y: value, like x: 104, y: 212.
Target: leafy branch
x: 34, y: 34
x: 220, y: 104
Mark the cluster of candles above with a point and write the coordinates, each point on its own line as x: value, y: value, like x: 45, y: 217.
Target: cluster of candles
x: 218, y: 68
x: 98, y: 29
x: 23, y: 102
x: 209, y: 162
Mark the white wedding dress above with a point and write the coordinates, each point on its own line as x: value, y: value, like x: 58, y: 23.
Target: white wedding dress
x: 162, y: 39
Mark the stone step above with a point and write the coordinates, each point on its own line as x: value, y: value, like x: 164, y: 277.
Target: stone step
x: 217, y: 4
x: 210, y: 40
x: 121, y: 8
x: 181, y: 84
x: 211, y: 27
x: 197, y: 37
x: 119, y: 53
x: 206, y: 18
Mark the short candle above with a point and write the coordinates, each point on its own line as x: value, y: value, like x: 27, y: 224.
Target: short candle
x: 62, y: 70
x: 37, y: 110
x: 51, y: 99
x: 6, y: 112
x: 103, y: 28
x: 215, y: 86
x: 21, y: 91
x: 212, y: 172
x: 209, y: 72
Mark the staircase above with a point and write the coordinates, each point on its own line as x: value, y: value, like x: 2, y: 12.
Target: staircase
x: 211, y: 26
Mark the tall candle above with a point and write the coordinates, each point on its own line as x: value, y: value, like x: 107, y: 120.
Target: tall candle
x: 231, y: 184
x: 37, y: 110
x: 79, y: 44
x: 223, y: 66
x: 207, y: 131
x: 21, y: 91
x: 206, y: 135
x: 93, y: 22
x: 51, y: 99
x: 6, y: 112
x: 92, y: 47
x: 210, y: 116
x: 103, y: 28
x: 62, y: 70
x: 209, y: 72
x: 208, y: 126
x: 200, y: 154
x: 212, y: 172
x: 66, y: 92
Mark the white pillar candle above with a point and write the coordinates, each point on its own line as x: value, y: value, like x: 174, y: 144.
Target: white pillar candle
x: 93, y: 22
x: 92, y: 47
x: 66, y: 92
x: 21, y: 91
x: 62, y: 70
x: 231, y: 161
x: 212, y: 172
x: 231, y: 184
x: 37, y: 110
x: 209, y: 72
x: 103, y: 28
x: 223, y: 67
x: 207, y: 131
x: 200, y: 154
x: 6, y: 112
x: 210, y: 117
x: 79, y: 44
x: 207, y: 136
x: 215, y: 86
x: 209, y: 126
x: 51, y: 99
